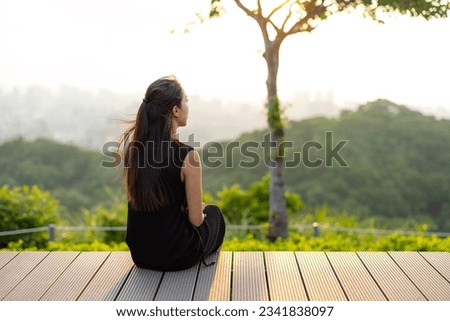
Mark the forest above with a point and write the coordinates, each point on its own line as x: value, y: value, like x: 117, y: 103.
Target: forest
x: 398, y: 164
x: 396, y: 174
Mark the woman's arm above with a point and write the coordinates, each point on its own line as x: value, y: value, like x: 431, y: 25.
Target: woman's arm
x: 191, y: 174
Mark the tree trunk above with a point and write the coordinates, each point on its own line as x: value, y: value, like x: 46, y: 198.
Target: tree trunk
x: 278, y: 225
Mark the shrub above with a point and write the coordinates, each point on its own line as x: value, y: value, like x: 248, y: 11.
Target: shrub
x: 64, y: 246
x: 115, y: 215
x: 332, y: 241
x: 25, y: 207
x: 251, y: 206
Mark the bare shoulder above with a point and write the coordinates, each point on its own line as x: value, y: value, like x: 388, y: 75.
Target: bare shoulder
x: 192, y: 160
x: 191, y: 165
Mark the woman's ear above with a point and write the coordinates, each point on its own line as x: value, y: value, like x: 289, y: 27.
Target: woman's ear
x: 175, y: 110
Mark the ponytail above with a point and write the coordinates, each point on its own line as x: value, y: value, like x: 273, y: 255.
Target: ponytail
x: 146, y: 145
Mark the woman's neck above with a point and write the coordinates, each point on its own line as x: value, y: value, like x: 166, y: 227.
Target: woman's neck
x: 173, y: 135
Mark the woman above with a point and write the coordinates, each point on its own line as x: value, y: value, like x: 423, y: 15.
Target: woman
x: 168, y: 227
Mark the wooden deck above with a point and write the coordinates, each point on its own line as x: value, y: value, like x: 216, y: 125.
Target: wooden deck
x: 237, y: 276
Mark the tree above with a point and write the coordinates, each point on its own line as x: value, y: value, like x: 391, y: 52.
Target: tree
x: 283, y: 18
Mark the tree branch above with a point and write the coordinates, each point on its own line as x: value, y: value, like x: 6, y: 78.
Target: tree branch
x: 277, y: 8
x: 288, y: 16
x: 262, y: 22
x: 312, y: 11
x: 245, y: 9
x: 275, y: 26
x: 259, y: 8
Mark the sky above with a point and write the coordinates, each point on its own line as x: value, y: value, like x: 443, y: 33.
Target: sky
x: 122, y: 46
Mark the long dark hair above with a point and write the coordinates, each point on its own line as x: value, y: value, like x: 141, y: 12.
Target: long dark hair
x: 146, y: 146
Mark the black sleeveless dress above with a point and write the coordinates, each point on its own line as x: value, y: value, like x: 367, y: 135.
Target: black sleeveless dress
x: 166, y: 240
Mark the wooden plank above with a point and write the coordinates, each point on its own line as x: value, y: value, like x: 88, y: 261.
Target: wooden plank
x: 320, y: 281
x: 283, y: 276
x: 440, y: 261
x: 178, y: 286
x: 432, y: 285
x: 390, y: 278
x: 38, y: 281
x: 141, y: 285
x: 249, y: 278
x: 356, y: 281
x: 107, y: 282
x: 214, y: 282
x: 75, y: 278
x: 17, y: 269
x: 5, y: 257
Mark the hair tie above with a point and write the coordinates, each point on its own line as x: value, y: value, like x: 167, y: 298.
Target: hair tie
x: 145, y: 101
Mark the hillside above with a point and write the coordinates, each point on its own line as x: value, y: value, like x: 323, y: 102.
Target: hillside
x: 73, y: 175
x: 398, y: 163
x: 398, y: 166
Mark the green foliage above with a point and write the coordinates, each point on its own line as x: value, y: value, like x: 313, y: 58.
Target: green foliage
x: 398, y: 178
x: 295, y: 242
x: 275, y: 116
x: 397, y: 164
x: 208, y: 198
x: 67, y: 246
x: 417, y: 8
x: 375, y: 9
x: 329, y: 217
x: 25, y: 207
x: 340, y: 242
x: 73, y: 175
x: 114, y: 216
x: 251, y: 206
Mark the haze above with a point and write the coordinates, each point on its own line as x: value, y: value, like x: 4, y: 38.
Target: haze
x: 68, y: 69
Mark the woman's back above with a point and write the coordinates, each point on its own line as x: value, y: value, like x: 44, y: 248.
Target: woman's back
x: 165, y: 239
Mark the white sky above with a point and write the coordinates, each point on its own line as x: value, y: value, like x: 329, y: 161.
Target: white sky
x: 123, y: 45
